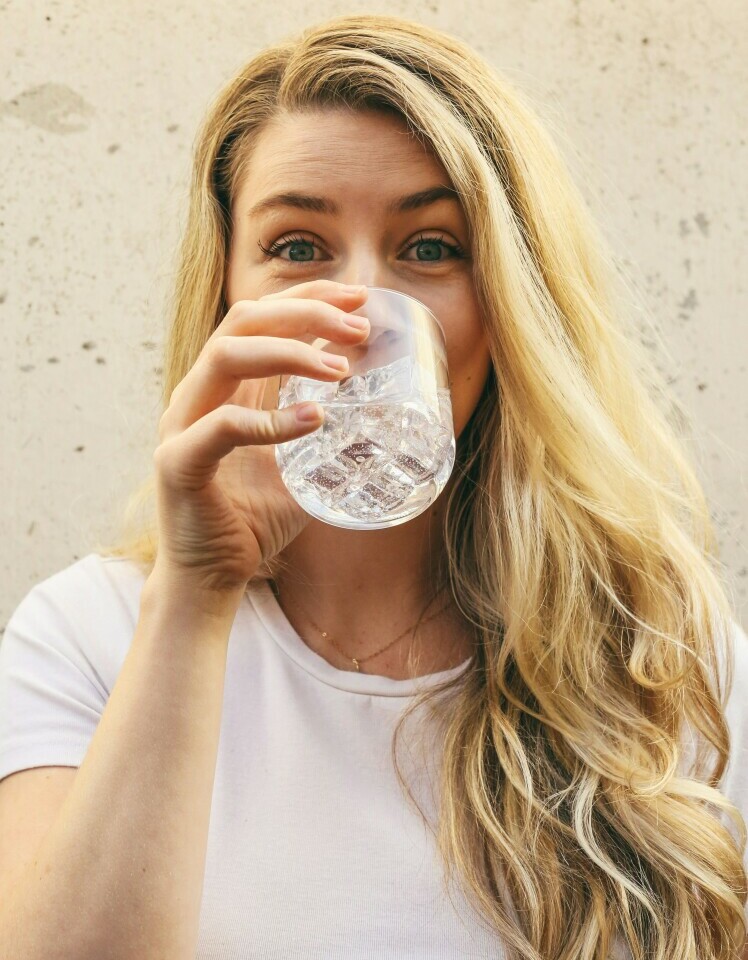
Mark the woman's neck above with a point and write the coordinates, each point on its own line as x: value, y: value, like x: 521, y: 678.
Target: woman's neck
x: 442, y: 641
x: 365, y: 588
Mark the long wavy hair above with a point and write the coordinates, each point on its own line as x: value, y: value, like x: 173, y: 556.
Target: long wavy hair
x: 578, y: 541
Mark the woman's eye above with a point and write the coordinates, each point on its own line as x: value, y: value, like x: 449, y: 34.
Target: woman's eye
x: 301, y: 249
x: 431, y: 249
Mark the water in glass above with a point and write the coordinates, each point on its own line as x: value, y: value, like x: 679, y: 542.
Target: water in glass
x: 383, y: 453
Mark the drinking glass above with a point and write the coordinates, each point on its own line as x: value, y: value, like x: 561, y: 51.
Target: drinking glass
x: 386, y: 447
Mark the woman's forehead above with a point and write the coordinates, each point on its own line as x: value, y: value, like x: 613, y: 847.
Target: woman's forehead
x: 336, y: 150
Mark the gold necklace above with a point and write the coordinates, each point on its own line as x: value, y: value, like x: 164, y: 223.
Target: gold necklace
x: 358, y: 660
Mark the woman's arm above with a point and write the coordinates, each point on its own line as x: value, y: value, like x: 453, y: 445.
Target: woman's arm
x: 120, y: 872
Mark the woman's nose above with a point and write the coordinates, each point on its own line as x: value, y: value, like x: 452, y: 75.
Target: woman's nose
x: 363, y: 268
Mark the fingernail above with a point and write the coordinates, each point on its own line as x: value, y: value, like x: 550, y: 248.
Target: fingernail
x: 354, y: 289
x: 334, y: 361
x: 360, y: 323
x: 308, y: 412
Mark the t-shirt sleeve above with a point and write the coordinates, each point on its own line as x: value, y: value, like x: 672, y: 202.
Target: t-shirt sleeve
x: 59, y: 657
x: 735, y: 779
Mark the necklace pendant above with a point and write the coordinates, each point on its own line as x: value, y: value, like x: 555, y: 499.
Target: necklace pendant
x: 356, y: 663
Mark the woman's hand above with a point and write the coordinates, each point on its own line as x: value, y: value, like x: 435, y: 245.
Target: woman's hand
x: 222, y: 508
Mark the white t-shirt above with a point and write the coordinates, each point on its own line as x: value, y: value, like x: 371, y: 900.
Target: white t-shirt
x: 313, y: 851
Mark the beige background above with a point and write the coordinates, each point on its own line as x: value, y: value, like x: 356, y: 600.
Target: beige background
x: 98, y: 108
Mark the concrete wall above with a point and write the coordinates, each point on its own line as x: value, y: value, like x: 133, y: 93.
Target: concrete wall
x: 99, y: 105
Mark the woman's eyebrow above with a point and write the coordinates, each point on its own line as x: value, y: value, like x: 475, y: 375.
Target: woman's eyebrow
x: 303, y: 201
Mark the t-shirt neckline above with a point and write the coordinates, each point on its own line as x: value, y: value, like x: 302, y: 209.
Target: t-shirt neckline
x: 278, y: 626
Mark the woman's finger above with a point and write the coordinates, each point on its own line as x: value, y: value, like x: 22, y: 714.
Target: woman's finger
x: 189, y: 460
x: 227, y: 361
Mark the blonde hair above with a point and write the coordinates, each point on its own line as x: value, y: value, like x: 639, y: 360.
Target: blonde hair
x: 578, y: 542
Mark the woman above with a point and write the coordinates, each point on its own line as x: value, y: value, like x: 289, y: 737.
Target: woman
x: 578, y: 648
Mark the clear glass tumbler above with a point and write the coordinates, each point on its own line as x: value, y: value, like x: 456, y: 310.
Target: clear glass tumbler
x: 386, y: 447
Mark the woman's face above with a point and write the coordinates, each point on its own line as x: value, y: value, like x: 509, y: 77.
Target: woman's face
x: 360, y: 167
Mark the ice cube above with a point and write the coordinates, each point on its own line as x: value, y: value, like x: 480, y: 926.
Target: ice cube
x: 359, y: 453
x: 392, y: 380
x: 384, y: 494
x: 413, y: 467
x: 298, y: 389
x: 325, y: 476
x: 352, y: 388
x: 385, y: 422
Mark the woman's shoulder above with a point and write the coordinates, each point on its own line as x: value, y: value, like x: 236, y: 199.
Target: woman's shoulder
x: 736, y: 650
x: 733, y: 665
x: 94, y: 583
x: 60, y: 655
x: 85, y: 612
